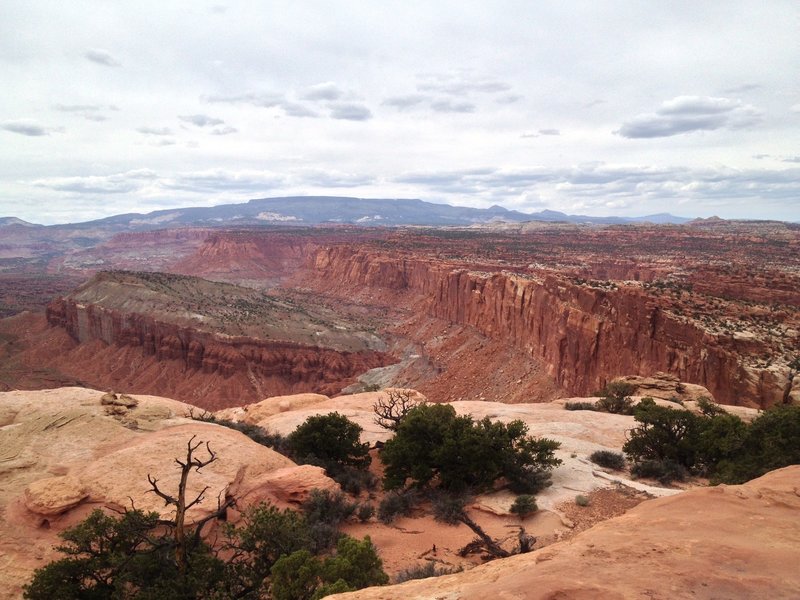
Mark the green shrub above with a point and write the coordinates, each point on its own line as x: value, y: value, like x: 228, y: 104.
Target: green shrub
x: 524, y: 505
x: 394, y: 504
x: 580, y: 406
x: 772, y: 441
x: 608, y: 459
x: 433, y: 442
x: 325, y: 511
x: 259, y: 435
x: 365, y: 512
x: 303, y: 576
x: 664, y: 434
x: 581, y: 500
x: 448, y: 508
x: 424, y: 571
x: 354, y: 481
x: 664, y: 470
x: 332, y: 441
x: 616, y: 398
x: 709, y: 408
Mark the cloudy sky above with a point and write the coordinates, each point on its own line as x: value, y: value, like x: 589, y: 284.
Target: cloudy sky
x: 613, y: 107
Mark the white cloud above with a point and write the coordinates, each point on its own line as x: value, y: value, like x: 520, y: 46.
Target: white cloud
x: 434, y: 89
x: 117, y: 183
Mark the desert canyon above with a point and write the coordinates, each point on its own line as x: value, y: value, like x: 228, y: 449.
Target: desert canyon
x: 270, y: 325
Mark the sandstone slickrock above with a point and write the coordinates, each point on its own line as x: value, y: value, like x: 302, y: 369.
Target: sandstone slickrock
x: 738, y: 542
x: 61, y: 455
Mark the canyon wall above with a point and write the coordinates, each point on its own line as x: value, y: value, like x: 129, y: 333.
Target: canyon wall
x: 585, y: 336
x: 218, y: 370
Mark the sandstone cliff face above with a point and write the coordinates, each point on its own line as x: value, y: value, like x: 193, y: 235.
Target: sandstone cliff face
x: 241, y: 256
x: 256, y: 368
x: 585, y: 336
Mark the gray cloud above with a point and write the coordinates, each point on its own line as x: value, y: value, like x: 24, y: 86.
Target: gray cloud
x: 262, y: 99
x: 509, y: 99
x: 744, y: 88
x: 223, y: 130
x: 90, y: 112
x: 461, y: 86
x: 201, y: 120
x: 219, y: 180
x: 598, y: 183
x: 540, y: 133
x: 154, y: 130
x: 791, y: 159
x: 350, y: 112
x: 294, y: 109
x: 330, y: 179
x: 323, y: 91
x: 406, y: 101
x: 101, y: 57
x: 686, y: 114
x: 28, y: 127
x: 118, y: 183
x: 452, y: 106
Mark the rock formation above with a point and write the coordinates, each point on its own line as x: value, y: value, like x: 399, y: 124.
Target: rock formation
x: 584, y: 334
x: 721, y: 542
x: 62, y: 455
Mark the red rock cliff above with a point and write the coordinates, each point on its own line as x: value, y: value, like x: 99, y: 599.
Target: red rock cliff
x: 585, y: 336
x: 209, y: 370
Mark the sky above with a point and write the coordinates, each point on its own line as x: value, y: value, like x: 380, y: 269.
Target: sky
x: 621, y: 108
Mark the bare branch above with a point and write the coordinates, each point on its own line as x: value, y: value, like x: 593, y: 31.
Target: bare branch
x: 390, y: 411
x: 155, y: 489
x: 198, y: 499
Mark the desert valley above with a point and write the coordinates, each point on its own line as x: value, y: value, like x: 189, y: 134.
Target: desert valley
x: 124, y: 338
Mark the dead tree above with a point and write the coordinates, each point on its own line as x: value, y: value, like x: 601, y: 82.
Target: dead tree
x: 390, y: 411
x: 178, y: 524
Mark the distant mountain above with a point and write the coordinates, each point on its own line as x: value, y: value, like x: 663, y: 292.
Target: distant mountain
x: 9, y: 221
x: 316, y: 210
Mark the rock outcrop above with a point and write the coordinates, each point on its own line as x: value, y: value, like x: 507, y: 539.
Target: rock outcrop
x: 62, y: 455
x: 210, y: 370
x: 721, y: 542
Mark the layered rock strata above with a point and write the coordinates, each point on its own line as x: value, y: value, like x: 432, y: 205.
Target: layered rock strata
x: 257, y: 368
x: 584, y: 335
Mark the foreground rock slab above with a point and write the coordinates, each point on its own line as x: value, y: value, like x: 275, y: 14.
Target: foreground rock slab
x: 722, y: 542
x: 63, y: 454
